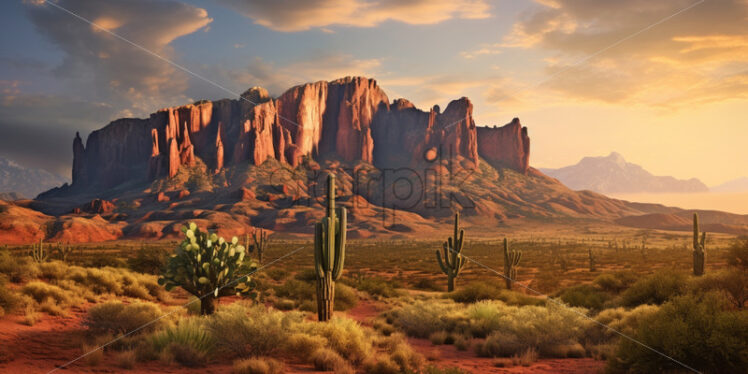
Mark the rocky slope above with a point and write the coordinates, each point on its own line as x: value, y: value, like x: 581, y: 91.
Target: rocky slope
x: 234, y: 165
x: 612, y: 174
x: 17, y: 181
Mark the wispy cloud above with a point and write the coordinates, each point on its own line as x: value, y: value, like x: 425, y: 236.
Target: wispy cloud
x: 300, y: 15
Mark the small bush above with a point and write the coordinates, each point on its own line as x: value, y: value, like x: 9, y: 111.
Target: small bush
x: 187, y: 343
x: 423, y: 318
x: 118, y: 318
x: 345, y: 336
x: 303, y: 345
x: 374, y: 286
x: 9, y: 299
x: 698, y: 331
x: 126, y: 359
x: 328, y: 360
x: 439, y: 337
x: 306, y: 275
x: 615, y: 282
x: 276, y: 274
x: 585, y: 296
x: 250, y: 330
x: 655, y: 289
x: 462, y: 343
x: 526, y: 358
x: 737, y: 255
x: 18, y: 269
x: 92, y: 354
x: 258, y: 365
x: 345, y: 297
x: 733, y: 283
x: 285, y: 304
x: 149, y: 260
x: 473, y: 292
x: 427, y: 284
x: 50, y: 294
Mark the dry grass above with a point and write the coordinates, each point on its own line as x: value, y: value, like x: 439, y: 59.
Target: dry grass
x: 258, y: 365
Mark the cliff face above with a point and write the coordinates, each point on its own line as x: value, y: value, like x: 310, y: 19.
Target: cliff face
x: 507, y: 146
x: 348, y: 119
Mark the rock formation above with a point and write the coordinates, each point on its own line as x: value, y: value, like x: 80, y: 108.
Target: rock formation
x: 349, y: 119
x: 506, y: 146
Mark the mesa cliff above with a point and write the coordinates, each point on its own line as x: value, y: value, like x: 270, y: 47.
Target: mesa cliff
x: 349, y: 119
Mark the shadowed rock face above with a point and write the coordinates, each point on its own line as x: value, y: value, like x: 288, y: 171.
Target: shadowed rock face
x: 506, y: 146
x: 349, y: 119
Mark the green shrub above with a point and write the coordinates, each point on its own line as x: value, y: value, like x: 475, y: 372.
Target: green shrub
x: 622, y: 320
x: 438, y: 337
x: 655, y: 289
x: 117, y: 318
x: 473, y: 292
x: 188, y: 343
x: 695, y: 330
x: 733, y: 283
x: 258, y: 365
x: 584, y: 295
x: 45, y: 292
x: 427, y: 284
x: 345, y: 297
x: 345, y: 336
x: 302, y: 345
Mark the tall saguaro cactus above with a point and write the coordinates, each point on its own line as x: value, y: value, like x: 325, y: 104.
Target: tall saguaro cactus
x: 699, y: 251
x: 329, y: 252
x: 593, y: 260
x: 511, y: 260
x: 453, y: 261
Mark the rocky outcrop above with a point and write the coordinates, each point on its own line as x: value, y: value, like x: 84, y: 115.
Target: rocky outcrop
x: 349, y: 119
x: 506, y: 146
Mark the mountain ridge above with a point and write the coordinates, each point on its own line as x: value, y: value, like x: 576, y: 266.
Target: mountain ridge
x: 613, y: 174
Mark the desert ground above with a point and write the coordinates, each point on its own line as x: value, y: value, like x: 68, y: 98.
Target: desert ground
x: 392, y: 311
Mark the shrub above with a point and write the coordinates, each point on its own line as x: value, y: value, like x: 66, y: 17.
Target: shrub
x: 48, y: 293
x: 526, y: 358
x: 625, y: 321
x: 732, y: 282
x: 149, y: 260
x: 118, y: 318
x: 258, y: 365
x: 374, y: 286
x: 303, y: 345
x: 328, y: 360
x: 439, y: 337
x: 18, y: 269
x: 92, y: 354
x: 655, y: 289
x: 737, y: 255
x: 427, y: 284
x: 9, y: 299
x: 585, y: 296
x: 345, y: 297
x: 615, y: 282
x: 277, y: 274
x: 462, y: 343
x: 473, y: 292
x: 126, y: 359
x: 187, y: 343
x: 344, y: 336
x: 695, y: 330
x: 423, y: 318
x: 250, y: 330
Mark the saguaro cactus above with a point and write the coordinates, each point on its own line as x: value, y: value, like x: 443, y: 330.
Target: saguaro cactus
x: 699, y: 251
x: 37, y: 252
x: 329, y: 252
x: 260, y: 241
x: 453, y: 261
x: 593, y: 260
x: 511, y: 260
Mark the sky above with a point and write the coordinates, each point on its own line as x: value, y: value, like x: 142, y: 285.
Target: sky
x: 664, y: 83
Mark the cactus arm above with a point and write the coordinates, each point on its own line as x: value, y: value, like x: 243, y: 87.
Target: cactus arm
x: 340, y: 243
x: 695, y: 230
x: 318, y: 244
x: 441, y: 263
x: 703, y: 241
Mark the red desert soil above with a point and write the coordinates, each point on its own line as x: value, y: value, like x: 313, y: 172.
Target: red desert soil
x: 448, y: 356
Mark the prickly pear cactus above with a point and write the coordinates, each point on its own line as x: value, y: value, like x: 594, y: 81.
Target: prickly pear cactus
x: 329, y: 252
x: 207, y: 266
x: 511, y: 260
x: 699, y: 250
x: 453, y: 261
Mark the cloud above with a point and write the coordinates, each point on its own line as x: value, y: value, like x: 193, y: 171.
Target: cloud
x: 105, y: 67
x: 37, y: 129
x: 300, y: 15
x: 700, y: 51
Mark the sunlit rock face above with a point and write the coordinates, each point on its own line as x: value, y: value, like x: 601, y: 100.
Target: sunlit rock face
x: 349, y: 119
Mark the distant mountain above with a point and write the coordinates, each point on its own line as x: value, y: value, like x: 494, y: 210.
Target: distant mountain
x: 23, y: 181
x: 612, y: 174
x: 735, y: 185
